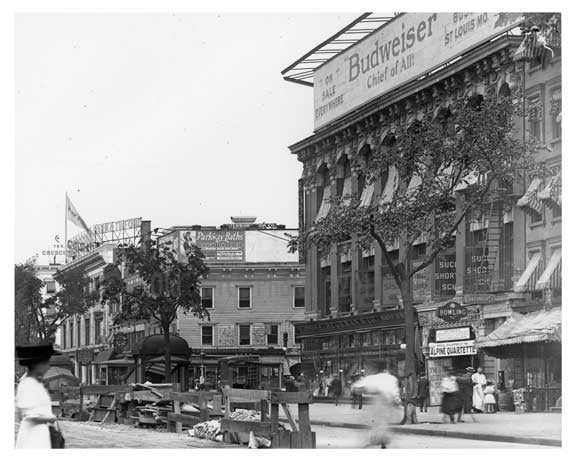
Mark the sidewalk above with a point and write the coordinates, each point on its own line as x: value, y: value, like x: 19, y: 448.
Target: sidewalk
x: 527, y: 428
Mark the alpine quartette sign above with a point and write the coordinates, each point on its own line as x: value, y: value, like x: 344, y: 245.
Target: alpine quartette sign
x: 453, y: 348
x: 407, y: 47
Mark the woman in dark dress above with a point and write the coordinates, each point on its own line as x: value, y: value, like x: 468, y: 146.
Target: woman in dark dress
x: 451, y: 401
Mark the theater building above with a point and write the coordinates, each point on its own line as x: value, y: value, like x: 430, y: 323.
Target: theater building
x: 253, y: 293
x: 393, y: 71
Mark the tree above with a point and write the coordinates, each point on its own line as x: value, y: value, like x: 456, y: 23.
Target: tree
x: 167, y: 287
x: 446, y: 166
x: 38, y: 319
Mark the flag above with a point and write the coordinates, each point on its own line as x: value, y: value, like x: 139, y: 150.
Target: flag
x: 73, y: 215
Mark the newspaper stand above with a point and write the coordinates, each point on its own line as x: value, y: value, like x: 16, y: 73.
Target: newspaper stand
x: 176, y: 419
x: 300, y: 435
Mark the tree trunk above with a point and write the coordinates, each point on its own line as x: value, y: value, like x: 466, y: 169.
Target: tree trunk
x: 410, y: 321
x: 167, y: 354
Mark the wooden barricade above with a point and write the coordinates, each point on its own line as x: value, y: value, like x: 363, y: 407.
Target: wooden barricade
x: 300, y: 435
x: 176, y: 419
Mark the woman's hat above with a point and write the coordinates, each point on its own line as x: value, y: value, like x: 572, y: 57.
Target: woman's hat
x: 470, y: 369
x: 35, y: 353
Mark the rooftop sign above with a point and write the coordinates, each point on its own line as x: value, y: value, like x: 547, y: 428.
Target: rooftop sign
x: 407, y: 47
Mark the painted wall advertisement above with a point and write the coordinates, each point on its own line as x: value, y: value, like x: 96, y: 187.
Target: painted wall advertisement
x: 217, y: 245
x: 407, y: 47
x: 445, y: 275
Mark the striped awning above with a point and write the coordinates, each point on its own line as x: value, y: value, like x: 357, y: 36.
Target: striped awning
x: 467, y: 181
x: 551, y: 195
x: 552, y: 275
x: 367, y: 194
x: 325, y: 206
x: 533, y: 47
x: 415, y: 181
x: 391, y: 186
x: 530, y: 199
x: 527, y: 281
x: 347, y: 191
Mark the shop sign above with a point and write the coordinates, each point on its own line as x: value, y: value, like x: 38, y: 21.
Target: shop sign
x: 445, y: 275
x: 451, y: 312
x: 407, y: 47
x: 85, y: 356
x: 452, y: 349
x: 479, y: 298
x: 453, y: 334
x: 216, y: 245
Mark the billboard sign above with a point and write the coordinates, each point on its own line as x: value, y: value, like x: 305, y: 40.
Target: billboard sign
x: 453, y: 349
x: 407, y: 47
x: 217, y: 245
x: 453, y: 334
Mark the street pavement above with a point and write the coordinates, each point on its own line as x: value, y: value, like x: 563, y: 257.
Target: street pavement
x: 526, y: 428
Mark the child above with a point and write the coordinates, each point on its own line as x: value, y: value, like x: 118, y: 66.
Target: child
x: 489, y: 400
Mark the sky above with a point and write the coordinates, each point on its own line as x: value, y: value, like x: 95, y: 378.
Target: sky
x: 181, y: 119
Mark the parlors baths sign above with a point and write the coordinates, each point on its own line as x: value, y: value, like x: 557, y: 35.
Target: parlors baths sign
x: 410, y: 45
x: 453, y: 348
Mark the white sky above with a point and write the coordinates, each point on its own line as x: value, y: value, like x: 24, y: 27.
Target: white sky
x: 177, y: 118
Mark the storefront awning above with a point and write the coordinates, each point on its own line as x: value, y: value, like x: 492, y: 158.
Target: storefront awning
x: 347, y: 191
x: 530, y: 199
x: 103, y: 356
x: 552, y: 275
x: 325, y: 206
x: 552, y: 193
x: 391, y: 186
x: 527, y: 281
x: 540, y: 326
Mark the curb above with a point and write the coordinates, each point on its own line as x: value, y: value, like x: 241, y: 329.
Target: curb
x: 452, y: 434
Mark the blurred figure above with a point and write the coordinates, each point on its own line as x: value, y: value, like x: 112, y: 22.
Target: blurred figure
x: 384, y: 407
x: 336, y: 389
x: 479, y: 380
x: 451, y: 400
x: 423, y: 386
x: 465, y: 389
x: 356, y: 392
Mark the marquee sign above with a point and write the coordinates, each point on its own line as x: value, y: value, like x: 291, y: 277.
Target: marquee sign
x: 407, y: 47
x: 451, y: 312
x: 452, y: 349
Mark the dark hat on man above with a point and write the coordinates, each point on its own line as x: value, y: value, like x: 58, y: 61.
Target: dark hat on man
x: 470, y: 369
x: 30, y: 354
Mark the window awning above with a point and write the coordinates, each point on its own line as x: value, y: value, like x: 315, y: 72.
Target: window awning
x: 103, y: 356
x: 552, y: 275
x: 466, y: 182
x: 543, y: 325
x: 367, y: 194
x: 415, y: 181
x: 527, y: 281
x: 530, y: 199
x: 347, y: 191
x: 391, y: 186
x: 325, y: 206
x: 552, y: 193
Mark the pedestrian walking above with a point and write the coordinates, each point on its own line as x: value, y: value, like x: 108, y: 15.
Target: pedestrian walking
x: 489, y: 400
x: 33, y: 404
x: 336, y: 389
x: 451, y: 401
x: 423, y: 386
x: 383, y: 408
x: 479, y: 380
x: 466, y: 390
x: 356, y: 391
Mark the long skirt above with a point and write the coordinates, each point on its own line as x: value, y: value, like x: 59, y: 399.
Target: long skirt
x: 451, y: 403
x: 478, y: 397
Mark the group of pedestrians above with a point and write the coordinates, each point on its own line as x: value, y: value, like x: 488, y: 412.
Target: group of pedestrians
x: 466, y: 393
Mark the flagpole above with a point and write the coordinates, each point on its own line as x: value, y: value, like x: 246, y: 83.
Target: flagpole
x: 66, y: 229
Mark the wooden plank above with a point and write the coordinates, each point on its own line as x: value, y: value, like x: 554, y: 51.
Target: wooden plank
x: 293, y: 424
x: 186, y: 419
x: 291, y: 397
x: 217, y: 403
x: 101, y: 389
x: 246, y: 395
x: 295, y: 440
x: 184, y: 397
x: 281, y: 439
x: 112, y: 407
x: 264, y: 410
x: 274, y: 414
x: 258, y: 427
x: 304, y: 417
x: 178, y: 424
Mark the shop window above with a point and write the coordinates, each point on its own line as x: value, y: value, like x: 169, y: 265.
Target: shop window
x: 299, y: 296
x: 207, y: 296
x: 272, y: 335
x: 244, y: 338
x: 244, y: 297
x: 207, y: 335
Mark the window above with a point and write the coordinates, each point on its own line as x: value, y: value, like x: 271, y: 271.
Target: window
x: 79, y: 327
x: 299, y: 296
x: 244, y: 298
x: 71, y: 334
x: 556, y: 211
x: 207, y: 335
x: 556, y: 113
x: 87, y: 331
x: 207, y: 295
x: 271, y: 334
x: 244, y: 335
x: 63, y: 336
x: 535, y: 119
x: 50, y: 287
x: 98, y: 330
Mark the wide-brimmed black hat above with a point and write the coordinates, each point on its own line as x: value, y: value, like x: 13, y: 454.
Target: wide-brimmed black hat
x: 35, y: 353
